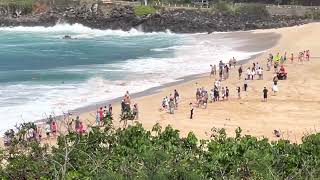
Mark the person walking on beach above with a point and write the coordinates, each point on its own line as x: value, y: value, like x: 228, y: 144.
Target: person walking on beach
x: 240, y: 71
x: 191, y: 110
x: 239, y: 90
x: 176, y: 98
x: 245, y: 84
x: 265, y: 94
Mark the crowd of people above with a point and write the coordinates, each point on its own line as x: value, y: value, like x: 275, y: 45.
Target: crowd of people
x: 129, y: 111
x: 170, y: 104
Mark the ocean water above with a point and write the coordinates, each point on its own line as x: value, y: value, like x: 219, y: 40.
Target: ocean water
x: 41, y: 73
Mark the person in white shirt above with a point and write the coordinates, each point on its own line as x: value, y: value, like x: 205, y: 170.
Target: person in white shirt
x: 248, y: 73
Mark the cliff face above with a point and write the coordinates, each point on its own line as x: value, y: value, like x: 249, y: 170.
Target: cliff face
x: 123, y: 17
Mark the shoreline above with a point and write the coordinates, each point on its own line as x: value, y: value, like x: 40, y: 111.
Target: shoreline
x: 245, y: 47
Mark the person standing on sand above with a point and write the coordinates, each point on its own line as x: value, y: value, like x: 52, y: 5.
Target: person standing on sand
x: 191, y: 110
x: 265, y: 94
x: 248, y: 73
x: 223, y: 93
x: 176, y: 98
x: 308, y: 55
x: 260, y: 73
x: 240, y: 71
x: 227, y: 93
x: 269, y: 65
x: 234, y: 61
x: 239, y: 90
x: 212, y: 71
x: 48, y: 130
x: 245, y: 84
x: 291, y: 58
x: 275, y: 85
x: 98, y: 118
x: 253, y: 73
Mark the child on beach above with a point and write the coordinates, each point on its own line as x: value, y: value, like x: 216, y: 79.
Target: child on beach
x: 238, y: 90
x: 265, y: 94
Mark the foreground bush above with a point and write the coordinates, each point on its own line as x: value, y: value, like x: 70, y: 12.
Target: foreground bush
x: 135, y: 153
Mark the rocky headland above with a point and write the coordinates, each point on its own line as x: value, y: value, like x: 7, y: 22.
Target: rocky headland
x: 124, y: 18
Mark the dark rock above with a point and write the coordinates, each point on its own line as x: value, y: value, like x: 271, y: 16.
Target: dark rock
x: 178, y: 21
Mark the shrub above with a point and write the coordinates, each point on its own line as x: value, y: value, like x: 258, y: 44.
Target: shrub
x: 223, y: 6
x: 313, y: 14
x: 253, y: 10
x: 144, y: 10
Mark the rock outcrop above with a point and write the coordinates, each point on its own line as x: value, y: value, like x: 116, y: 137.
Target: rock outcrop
x: 123, y: 17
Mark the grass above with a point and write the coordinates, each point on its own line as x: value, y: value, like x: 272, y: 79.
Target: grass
x: 17, y: 2
x: 144, y: 10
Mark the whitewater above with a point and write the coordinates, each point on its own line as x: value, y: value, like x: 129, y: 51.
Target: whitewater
x: 41, y: 73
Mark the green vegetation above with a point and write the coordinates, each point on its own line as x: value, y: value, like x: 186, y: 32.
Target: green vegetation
x: 313, y: 14
x: 135, y: 153
x: 253, y: 9
x: 17, y: 2
x: 223, y: 6
x: 144, y: 10
x: 247, y: 9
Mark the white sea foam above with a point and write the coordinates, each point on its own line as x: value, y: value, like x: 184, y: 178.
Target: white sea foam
x: 79, y: 29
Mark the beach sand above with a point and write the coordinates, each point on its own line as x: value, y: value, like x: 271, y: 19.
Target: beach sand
x: 294, y: 111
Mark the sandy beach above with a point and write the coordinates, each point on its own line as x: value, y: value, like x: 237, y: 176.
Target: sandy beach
x: 294, y: 111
